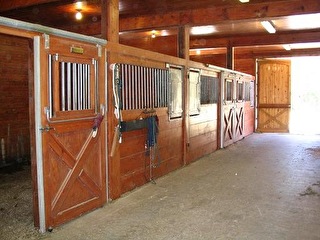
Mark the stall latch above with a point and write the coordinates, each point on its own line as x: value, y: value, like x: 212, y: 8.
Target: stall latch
x: 46, y: 129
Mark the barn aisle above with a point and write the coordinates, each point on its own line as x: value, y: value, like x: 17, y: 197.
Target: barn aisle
x: 266, y: 186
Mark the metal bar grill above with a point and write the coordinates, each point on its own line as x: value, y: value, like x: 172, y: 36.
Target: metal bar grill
x: 73, y: 86
x: 209, y: 89
x: 143, y: 87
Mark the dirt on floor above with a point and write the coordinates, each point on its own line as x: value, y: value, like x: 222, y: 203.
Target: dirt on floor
x: 16, y: 207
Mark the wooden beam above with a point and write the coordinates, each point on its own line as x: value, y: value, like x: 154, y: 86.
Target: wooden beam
x: 214, y: 15
x: 6, y: 5
x: 256, y: 40
x: 253, y: 54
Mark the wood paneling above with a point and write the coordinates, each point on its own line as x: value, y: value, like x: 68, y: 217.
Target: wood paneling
x: 203, y: 135
x: 165, y: 45
x: 14, y: 97
x: 135, y: 158
x: 274, y: 96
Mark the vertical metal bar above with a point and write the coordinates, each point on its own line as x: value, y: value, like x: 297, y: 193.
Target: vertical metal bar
x: 136, y: 86
x: 95, y: 90
x: 68, y: 86
x: 122, y: 84
x: 80, y: 85
x: 153, y: 87
x: 150, y: 87
x: 144, y: 88
x: 75, y: 86
x: 62, y: 87
x: 139, y: 87
x: 38, y: 133
x: 129, y: 87
x: 88, y: 86
x: 84, y: 80
x: 161, y: 89
x: 123, y: 68
x: 50, y: 85
x: 147, y: 88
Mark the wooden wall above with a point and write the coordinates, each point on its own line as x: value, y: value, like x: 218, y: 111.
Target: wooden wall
x: 203, y: 136
x: 166, y: 45
x: 14, y: 97
x: 180, y: 141
x: 135, y: 157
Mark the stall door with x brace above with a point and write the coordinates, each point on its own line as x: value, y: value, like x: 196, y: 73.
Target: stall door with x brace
x: 73, y: 132
x: 233, y: 109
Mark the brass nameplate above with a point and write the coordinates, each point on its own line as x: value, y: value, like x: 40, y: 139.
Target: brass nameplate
x: 78, y: 50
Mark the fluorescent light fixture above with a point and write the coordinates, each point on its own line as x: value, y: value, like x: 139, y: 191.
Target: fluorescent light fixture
x: 268, y: 26
x: 244, y: 1
x: 201, y: 30
x: 287, y: 47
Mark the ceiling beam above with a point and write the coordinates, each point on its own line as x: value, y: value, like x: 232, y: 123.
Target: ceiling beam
x: 213, y: 15
x: 277, y: 53
x: 7, y: 5
x: 256, y: 40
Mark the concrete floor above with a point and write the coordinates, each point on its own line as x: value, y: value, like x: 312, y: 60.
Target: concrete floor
x: 266, y: 186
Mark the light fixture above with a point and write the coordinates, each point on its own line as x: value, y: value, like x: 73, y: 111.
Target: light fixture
x: 201, y: 30
x: 153, y: 33
x: 244, y: 1
x: 79, y: 15
x: 268, y: 25
x: 287, y: 47
x: 79, y: 7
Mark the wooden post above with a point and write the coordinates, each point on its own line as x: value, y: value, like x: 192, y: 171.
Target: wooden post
x: 184, y: 43
x: 230, y: 56
x: 110, y: 32
x: 110, y: 20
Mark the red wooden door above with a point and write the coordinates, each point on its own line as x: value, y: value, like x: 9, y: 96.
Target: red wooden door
x: 73, y: 133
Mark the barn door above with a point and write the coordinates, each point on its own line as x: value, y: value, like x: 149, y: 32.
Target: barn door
x: 233, y: 109
x: 274, y: 97
x: 73, y: 131
x: 228, y: 111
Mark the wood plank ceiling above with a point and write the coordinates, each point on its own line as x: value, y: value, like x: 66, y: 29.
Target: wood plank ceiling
x: 233, y: 23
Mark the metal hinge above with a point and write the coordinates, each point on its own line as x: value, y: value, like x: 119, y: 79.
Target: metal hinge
x: 46, y: 41
x: 46, y: 129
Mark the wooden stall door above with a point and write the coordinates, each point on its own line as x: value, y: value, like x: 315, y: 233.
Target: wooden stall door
x: 73, y: 132
x: 274, y: 96
x: 233, y: 112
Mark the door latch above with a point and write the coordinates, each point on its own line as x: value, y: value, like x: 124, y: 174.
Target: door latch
x: 46, y: 129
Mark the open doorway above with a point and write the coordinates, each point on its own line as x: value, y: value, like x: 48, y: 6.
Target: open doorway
x: 16, y: 118
x: 305, y: 95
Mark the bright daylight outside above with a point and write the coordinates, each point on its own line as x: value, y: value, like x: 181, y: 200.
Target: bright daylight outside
x: 305, y: 89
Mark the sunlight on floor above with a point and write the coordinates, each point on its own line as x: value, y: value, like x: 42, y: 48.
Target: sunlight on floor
x: 305, y: 98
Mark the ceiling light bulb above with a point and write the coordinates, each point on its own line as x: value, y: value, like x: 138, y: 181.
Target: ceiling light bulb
x: 268, y: 26
x: 78, y: 15
x: 79, y: 5
x: 287, y: 47
x: 244, y: 1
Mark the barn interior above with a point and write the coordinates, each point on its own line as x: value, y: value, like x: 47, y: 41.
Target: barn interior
x: 226, y: 34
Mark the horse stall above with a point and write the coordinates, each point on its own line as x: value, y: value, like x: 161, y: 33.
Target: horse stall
x: 101, y: 119
x: 237, y: 115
